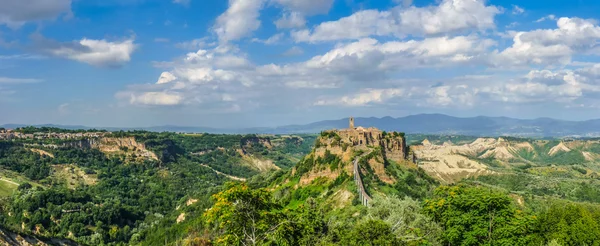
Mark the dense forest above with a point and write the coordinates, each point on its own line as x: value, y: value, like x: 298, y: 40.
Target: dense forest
x: 203, y: 189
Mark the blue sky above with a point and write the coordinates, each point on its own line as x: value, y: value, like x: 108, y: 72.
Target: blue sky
x: 246, y: 63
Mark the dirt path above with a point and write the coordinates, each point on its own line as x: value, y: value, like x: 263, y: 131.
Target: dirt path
x: 9, y: 181
x: 226, y: 175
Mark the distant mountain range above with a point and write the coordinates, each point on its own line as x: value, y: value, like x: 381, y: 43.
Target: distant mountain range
x: 414, y: 124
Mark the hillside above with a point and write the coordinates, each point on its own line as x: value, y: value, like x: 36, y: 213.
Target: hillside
x: 348, y: 186
x: 107, y: 187
x: 451, y: 162
x: 351, y: 165
x: 357, y: 187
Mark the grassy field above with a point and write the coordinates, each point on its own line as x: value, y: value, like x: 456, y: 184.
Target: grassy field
x: 7, y: 188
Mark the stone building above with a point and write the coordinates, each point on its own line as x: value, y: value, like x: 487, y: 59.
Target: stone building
x: 393, y: 144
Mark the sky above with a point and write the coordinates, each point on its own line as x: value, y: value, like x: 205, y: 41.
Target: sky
x: 253, y: 63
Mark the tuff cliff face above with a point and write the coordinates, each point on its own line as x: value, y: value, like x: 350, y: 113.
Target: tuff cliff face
x: 126, y: 145
x: 253, y: 141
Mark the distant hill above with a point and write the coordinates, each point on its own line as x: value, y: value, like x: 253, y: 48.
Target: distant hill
x: 422, y: 123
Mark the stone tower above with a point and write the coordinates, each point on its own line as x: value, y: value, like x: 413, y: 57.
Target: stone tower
x: 351, y: 123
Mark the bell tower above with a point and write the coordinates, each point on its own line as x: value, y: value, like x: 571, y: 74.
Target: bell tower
x: 351, y: 123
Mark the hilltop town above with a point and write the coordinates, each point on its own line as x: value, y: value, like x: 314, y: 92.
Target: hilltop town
x: 9, y: 134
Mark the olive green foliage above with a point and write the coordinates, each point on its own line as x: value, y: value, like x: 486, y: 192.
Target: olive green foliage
x: 405, y: 218
x: 132, y: 202
x: 19, y: 159
x: 243, y: 216
x: 478, y: 216
x: 570, y: 224
x: 328, y: 160
x: 371, y: 232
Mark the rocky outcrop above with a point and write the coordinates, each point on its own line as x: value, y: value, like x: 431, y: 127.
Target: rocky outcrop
x: 255, y: 140
x: 15, y: 239
x: 126, y: 145
x: 561, y: 147
x: 345, y: 143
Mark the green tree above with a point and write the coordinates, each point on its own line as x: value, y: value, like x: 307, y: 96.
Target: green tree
x: 570, y: 224
x: 371, y: 232
x: 243, y: 216
x: 478, y: 216
x: 405, y: 218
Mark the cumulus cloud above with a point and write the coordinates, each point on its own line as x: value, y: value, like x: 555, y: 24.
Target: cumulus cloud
x: 166, y: 77
x: 101, y: 53
x: 16, y: 13
x: 200, y: 77
x: 374, y: 49
x: 239, y: 20
x: 455, y: 96
x: 450, y: 16
x: 545, y: 18
x: 156, y: 98
x: 370, y: 54
x: 365, y: 97
x: 551, y: 46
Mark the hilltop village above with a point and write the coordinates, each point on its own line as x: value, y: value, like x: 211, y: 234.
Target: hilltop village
x: 394, y: 147
x: 7, y: 134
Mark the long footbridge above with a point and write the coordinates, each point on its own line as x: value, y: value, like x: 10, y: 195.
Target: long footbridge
x: 362, y: 194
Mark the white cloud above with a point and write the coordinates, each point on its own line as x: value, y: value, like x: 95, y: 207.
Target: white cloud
x: 456, y: 96
x: 545, y: 18
x: 551, y: 46
x: 195, y: 44
x: 156, y: 98
x: 99, y: 53
x: 369, y: 53
x: 450, y: 16
x: 240, y: 20
x: 15, y: 13
x: 165, y: 78
x: 303, y: 84
x: 365, y: 97
x: 517, y: 10
x: 542, y: 86
x: 291, y: 20
x: 271, y: 40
